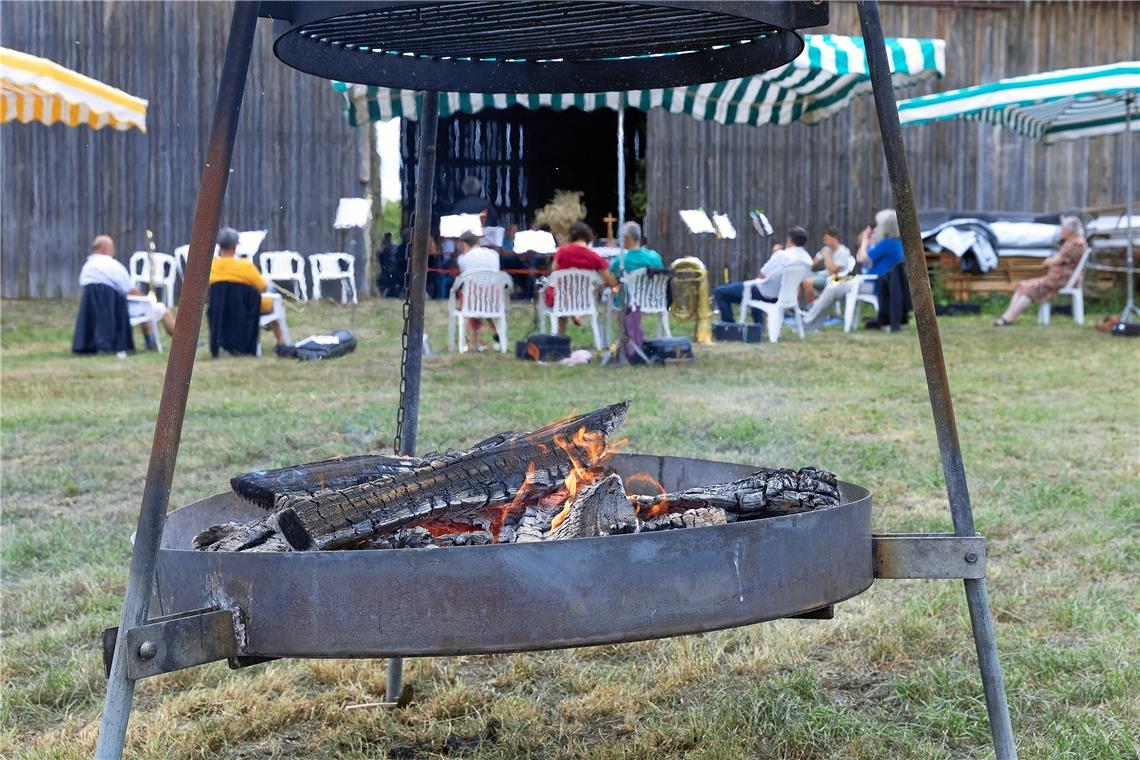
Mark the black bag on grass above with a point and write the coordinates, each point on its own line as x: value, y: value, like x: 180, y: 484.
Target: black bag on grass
x: 543, y: 348
x: 316, y: 347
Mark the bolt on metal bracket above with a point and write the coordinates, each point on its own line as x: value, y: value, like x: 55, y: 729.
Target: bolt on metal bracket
x: 928, y: 555
x: 174, y: 642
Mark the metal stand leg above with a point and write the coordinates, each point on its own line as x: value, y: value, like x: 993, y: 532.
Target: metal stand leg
x: 935, y: 364
x: 408, y: 422
x: 1130, y: 309
x: 179, y: 368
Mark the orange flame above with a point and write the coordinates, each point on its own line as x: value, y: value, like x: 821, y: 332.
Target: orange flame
x: 644, y: 484
x: 501, y: 513
x: 585, y: 450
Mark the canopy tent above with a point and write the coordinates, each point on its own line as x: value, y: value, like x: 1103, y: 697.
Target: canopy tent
x: 1051, y: 107
x: 820, y: 82
x: 36, y: 89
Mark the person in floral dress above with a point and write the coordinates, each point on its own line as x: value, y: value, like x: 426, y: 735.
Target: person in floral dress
x: 1058, y: 270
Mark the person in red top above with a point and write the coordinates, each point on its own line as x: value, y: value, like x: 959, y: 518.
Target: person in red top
x: 578, y: 255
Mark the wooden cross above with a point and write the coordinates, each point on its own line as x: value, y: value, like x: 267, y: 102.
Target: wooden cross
x: 609, y: 219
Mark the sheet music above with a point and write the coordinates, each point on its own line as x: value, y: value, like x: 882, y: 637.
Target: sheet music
x: 534, y: 241
x: 352, y: 212
x: 454, y: 225
x: 250, y: 241
x: 697, y: 221
x: 760, y: 222
x: 724, y: 226
x: 493, y: 236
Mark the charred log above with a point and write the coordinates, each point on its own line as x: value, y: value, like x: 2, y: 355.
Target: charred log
x: 264, y: 487
x: 484, y: 477
x: 257, y: 536
x: 533, y: 526
x: 766, y: 493
x: 690, y: 518
x: 600, y: 509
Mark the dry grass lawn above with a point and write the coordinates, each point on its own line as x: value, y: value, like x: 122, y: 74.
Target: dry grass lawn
x: 1050, y: 426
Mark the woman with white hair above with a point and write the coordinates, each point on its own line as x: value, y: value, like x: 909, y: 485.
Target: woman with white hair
x: 880, y: 248
x: 1058, y: 270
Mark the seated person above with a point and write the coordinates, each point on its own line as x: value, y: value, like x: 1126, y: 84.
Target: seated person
x: 880, y: 249
x: 792, y: 253
x: 834, y: 261
x: 227, y: 268
x: 473, y: 257
x: 1058, y: 270
x: 635, y: 257
x: 578, y: 255
x: 472, y: 202
x: 101, y: 268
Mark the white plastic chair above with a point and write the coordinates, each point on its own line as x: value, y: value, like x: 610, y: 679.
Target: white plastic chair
x: 788, y: 298
x: 277, y: 313
x: 334, y: 266
x: 486, y: 295
x: 1073, y: 289
x: 574, y: 296
x: 862, y: 292
x: 649, y: 294
x: 147, y: 318
x: 286, y: 266
x: 167, y: 270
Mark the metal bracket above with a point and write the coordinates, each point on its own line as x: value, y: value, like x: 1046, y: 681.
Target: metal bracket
x: 175, y: 642
x: 928, y: 555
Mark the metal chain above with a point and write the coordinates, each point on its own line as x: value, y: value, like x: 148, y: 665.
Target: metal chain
x: 396, y: 442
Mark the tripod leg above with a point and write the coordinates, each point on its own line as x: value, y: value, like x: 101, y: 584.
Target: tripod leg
x: 176, y: 383
x: 937, y: 382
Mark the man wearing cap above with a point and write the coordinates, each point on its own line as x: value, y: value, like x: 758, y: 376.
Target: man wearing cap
x: 475, y: 258
x: 228, y: 268
x: 102, y: 268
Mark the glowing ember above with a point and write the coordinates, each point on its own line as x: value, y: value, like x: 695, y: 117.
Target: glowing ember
x: 439, y: 528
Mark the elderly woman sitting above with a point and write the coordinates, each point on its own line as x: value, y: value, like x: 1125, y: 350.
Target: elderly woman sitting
x: 1058, y: 270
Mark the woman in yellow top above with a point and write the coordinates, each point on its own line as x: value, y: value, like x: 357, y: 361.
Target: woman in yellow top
x: 228, y: 268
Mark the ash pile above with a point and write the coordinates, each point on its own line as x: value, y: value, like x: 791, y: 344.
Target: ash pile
x: 549, y: 484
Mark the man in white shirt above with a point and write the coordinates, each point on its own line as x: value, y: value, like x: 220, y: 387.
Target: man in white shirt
x: 791, y: 254
x: 475, y: 258
x: 833, y: 263
x: 101, y: 268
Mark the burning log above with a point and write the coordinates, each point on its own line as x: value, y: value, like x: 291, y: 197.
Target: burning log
x: 690, y: 518
x: 766, y: 493
x: 600, y: 509
x: 490, y: 475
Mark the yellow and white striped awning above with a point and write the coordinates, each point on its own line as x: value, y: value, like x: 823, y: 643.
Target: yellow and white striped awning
x: 36, y: 89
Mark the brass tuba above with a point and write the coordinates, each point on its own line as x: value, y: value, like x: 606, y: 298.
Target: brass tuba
x: 690, y: 284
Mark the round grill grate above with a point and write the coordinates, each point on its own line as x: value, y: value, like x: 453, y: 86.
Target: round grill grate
x: 529, y: 46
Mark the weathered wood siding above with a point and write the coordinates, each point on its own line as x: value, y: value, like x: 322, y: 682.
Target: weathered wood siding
x: 834, y: 173
x: 294, y: 156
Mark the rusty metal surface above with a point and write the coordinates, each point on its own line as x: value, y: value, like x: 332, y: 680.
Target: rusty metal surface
x: 928, y: 555
x: 179, y: 368
x: 181, y: 641
x: 518, y: 597
x: 938, y: 384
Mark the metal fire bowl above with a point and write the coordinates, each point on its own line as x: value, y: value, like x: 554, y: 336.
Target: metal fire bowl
x: 536, y: 45
x: 520, y: 597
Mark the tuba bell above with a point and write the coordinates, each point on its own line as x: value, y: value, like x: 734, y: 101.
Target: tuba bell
x: 690, y: 285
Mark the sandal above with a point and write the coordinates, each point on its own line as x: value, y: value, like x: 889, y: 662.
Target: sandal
x: 1002, y: 322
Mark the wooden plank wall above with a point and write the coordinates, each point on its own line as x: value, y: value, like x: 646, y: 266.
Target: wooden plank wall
x: 294, y: 155
x: 834, y: 173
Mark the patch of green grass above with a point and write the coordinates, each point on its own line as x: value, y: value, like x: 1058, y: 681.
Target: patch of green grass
x: 1049, y: 438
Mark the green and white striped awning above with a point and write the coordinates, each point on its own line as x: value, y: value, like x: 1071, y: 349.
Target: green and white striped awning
x: 1050, y: 107
x: 820, y: 82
